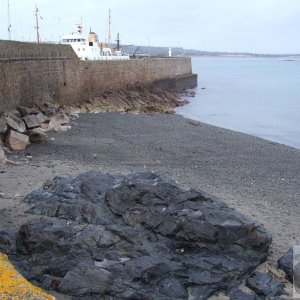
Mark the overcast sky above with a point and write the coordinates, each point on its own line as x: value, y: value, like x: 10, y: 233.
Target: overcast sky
x: 259, y: 26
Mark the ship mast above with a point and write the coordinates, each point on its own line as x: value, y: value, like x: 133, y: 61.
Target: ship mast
x: 109, y: 30
x: 37, y: 24
x: 118, y: 41
x: 8, y: 18
x: 80, y: 27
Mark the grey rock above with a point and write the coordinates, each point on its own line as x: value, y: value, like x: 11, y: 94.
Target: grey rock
x: 265, y: 285
x: 24, y: 111
x: 135, y: 237
x: 286, y: 264
x: 85, y: 280
x: 42, y: 118
x: 16, y: 124
x: 31, y: 121
x: 7, y: 241
x: 236, y: 294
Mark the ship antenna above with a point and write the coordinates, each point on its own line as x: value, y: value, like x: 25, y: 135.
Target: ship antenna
x: 109, y: 29
x: 37, y: 24
x: 80, y: 27
x: 8, y: 15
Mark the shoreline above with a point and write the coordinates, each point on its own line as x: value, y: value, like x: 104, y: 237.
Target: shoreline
x: 237, y: 131
x: 247, y: 102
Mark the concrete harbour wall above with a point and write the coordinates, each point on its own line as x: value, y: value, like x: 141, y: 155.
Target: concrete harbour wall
x: 31, y: 73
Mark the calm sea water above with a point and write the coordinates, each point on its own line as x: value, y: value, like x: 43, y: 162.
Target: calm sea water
x: 257, y: 96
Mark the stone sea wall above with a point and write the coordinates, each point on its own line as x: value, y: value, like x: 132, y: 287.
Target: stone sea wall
x: 31, y: 73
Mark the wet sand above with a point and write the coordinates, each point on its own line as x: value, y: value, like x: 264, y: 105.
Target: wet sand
x: 257, y: 177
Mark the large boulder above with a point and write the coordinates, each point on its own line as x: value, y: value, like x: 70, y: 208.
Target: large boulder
x: 16, y: 140
x: 135, y: 237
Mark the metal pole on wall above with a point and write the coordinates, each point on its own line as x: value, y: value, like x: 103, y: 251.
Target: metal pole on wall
x: 37, y: 24
x: 8, y: 18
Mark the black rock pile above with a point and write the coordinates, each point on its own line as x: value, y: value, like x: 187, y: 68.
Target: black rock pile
x: 134, y: 237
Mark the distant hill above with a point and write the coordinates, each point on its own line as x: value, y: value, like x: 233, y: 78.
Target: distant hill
x: 177, y: 51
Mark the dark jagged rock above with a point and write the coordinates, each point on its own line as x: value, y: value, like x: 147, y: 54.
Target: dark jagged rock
x: 7, y: 241
x: 135, y: 237
x: 265, y: 285
x: 82, y: 280
x: 237, y: 294
x: 285, y: 263
x: 297, y: 276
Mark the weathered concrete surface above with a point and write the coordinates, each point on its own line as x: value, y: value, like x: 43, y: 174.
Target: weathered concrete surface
x: 135, y: 237
x: 178, y: 83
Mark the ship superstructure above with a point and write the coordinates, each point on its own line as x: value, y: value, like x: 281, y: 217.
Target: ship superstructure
x: 91, y: 48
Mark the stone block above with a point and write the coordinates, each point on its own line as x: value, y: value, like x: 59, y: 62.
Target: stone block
x: 24, y: 111
x: 12, y: 113
x: 42, y: 118
x: 31, y: 121
x: 37, y: 136
x: 57, y: 120
x: 16, y: 124
x: 16, y: 140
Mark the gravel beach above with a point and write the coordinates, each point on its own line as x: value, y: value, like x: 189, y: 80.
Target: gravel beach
x: 257, y: 177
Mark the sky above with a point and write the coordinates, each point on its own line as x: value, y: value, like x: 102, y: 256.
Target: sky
x: 257, y: 26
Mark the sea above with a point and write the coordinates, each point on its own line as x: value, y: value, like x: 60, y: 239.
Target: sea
x: 257, y: 96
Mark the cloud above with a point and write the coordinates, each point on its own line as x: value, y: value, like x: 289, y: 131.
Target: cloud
x: 233, y: 25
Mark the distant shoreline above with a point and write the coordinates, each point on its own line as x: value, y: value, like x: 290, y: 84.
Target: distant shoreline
x: 285, y: 57
x: 179, y: 51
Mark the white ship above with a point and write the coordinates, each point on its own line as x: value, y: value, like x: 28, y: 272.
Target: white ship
x: 91, y: 48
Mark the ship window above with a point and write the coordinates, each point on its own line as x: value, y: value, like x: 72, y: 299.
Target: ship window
x: 83, y: 49
x: 90, y: 43
x: 78, y: 49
